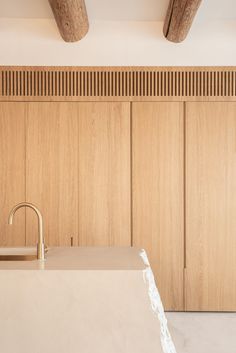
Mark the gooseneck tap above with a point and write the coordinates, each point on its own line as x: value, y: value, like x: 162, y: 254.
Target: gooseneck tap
x: 40, y: 244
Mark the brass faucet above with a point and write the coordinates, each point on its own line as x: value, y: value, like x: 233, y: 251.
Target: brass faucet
x: 40, y: 244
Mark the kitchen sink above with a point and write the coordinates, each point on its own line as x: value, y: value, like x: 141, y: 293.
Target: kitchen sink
x: 18, y: 257
x: 18, y: 254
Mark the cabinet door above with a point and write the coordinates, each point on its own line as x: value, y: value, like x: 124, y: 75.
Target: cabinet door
x: 52, y: 171
x: 78, y: 172
x: 12, y: 172
x: 211, y: 206
x: 158, y: 194
x: 104, y: 174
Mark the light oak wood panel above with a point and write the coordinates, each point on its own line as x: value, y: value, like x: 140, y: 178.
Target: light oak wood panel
x: 104, y: 174
x: 158, y: 194
x: 12, y: 172
x: 52, y: 170
x: 211, y: 206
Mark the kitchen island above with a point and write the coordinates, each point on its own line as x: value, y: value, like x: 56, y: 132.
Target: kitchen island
x: 87, y: 300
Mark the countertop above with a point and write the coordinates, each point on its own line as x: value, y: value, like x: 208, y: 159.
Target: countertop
x: 77, y: 258
x: 88, y: 300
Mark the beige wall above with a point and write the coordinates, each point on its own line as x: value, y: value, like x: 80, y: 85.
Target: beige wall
x: 113, y: 10
x: 38, y: 42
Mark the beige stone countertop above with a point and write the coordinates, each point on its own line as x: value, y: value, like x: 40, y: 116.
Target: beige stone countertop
x: 77, y: 258
x: 81, y: 299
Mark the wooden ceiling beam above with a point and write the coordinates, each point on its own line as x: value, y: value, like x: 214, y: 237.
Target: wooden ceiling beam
x: 179, y: 18
x: 71, y: 18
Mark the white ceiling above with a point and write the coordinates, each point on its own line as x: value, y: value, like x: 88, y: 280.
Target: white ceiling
x: 119, y: 10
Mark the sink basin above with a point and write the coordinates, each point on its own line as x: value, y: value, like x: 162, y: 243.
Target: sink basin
x: 18, y: 254
x: 18, y: 257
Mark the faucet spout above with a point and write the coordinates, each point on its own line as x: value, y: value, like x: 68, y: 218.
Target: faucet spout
x: 40, y: 244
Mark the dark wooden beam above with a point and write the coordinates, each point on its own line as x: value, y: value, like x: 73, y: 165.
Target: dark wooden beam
x: 179, y: 18
x: 71, y: 18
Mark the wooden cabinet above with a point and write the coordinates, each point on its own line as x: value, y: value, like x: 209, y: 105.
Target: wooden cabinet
x: 151, y: 174
x: 104, y: 174
x: 52, y: 151
x: 78, y: 172
x: 12, y: 171
x: 158, y: 210
x: 211, y: 206
x: 73, y: 161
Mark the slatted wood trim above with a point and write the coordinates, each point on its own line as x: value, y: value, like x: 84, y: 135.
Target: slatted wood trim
x: 126, y: 83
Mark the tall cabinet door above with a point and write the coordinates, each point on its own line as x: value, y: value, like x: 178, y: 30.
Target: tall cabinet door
x: 211, y: 206
x: 157, y: 169
x: 52, y: 171
x: 104, y: 174
x: 12, y: 172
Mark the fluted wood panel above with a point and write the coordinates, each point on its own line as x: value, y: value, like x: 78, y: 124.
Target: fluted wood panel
x: 210, y: 206
x: 158, y: 209
x: 117, y: 83
x: 12, y: 172
x: 52, y: 171
x: 104, y: 174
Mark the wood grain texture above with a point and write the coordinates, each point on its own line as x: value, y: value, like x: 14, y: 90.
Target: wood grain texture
x: 179, y: 19
x: 210, y: 206
x: 123, y: 84
x: 52, y: 171
x: 104, y: 174
x: 71, y: 18
x: 158, y: 194
x: 12, y: 172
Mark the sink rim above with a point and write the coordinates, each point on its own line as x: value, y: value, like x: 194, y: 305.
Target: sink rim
x: 6, y: 251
